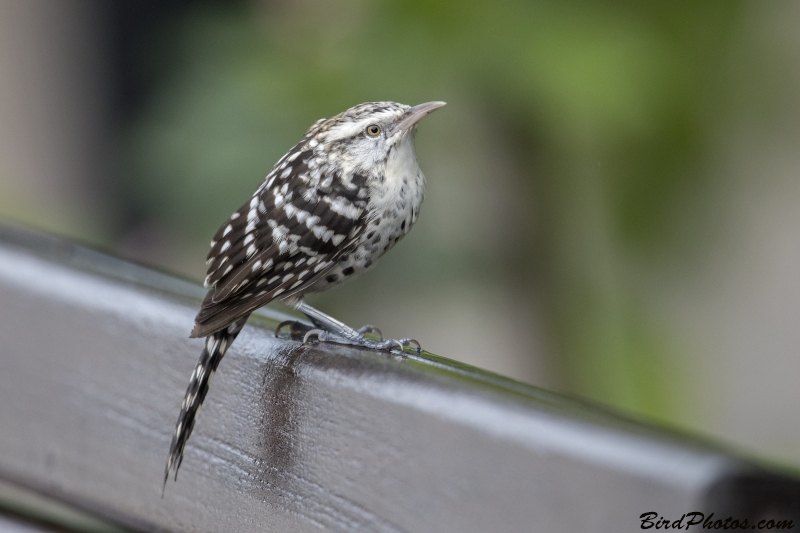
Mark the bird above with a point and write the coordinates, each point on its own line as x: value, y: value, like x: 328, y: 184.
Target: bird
x: 329, y: 208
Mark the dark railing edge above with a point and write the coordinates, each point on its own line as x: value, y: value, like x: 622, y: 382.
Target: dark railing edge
x: 21, y: 501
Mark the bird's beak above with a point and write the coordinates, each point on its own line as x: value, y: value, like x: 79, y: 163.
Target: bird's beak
x: 417, y: 113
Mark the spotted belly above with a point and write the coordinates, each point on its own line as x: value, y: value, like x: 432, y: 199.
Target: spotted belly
x: 381, y: 234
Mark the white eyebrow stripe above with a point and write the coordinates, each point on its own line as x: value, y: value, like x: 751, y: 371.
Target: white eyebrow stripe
x: 348, y: 129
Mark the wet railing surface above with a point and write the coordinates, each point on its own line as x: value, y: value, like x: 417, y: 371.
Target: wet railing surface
x: 95, y: 359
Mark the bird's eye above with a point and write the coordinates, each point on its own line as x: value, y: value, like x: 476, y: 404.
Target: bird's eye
x: 373, y: 130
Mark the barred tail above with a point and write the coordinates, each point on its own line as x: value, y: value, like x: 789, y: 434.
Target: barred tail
x: 216, y: 345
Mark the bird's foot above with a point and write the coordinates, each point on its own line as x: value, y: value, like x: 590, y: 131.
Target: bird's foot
x: 362, y: 340
x: 405, y: 343
x: 345, y: 335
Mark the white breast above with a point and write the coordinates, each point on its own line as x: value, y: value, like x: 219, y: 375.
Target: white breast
x: 403, y: 184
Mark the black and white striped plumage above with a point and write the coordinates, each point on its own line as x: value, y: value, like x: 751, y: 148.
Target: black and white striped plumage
x: 327, y: 210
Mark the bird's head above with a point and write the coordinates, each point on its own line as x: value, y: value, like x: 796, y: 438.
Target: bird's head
x: 365, y: 135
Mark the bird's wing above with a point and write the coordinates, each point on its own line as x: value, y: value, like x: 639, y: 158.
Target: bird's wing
x: 290, y: 233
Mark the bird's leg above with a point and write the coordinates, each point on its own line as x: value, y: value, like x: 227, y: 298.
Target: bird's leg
x: 328, y: 329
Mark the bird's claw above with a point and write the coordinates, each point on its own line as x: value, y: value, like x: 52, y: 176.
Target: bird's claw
x: 391, y: 344
x: 283, y: 325
x: 369, y: 328
x: 408, y: 343
x: 296, y: 328
x: 320, y: 334
x: 384, y: 344
x: 388, y: 344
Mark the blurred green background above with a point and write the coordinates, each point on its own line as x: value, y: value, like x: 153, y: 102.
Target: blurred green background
x: 613, y: 193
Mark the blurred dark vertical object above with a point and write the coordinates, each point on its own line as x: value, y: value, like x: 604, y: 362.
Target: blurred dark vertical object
x: 137, y: 26
x: 71, y: 78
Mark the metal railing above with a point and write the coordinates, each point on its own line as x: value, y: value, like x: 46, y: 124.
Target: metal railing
x: 95, y: 359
